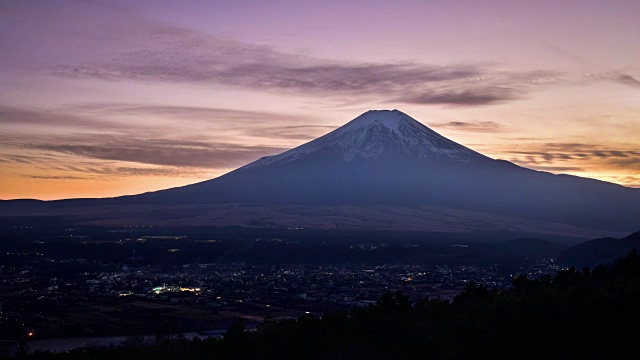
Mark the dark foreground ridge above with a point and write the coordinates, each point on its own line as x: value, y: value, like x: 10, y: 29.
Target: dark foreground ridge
x: 590, y: 313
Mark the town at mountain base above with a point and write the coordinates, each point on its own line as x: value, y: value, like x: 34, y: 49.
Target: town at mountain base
x: 590, y: 313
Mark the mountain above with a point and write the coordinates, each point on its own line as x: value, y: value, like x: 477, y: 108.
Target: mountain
x: 381, y: 157
x: 381, y: 170
x: 599, y: 251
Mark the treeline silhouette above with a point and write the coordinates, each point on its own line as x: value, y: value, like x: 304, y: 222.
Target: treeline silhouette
x: 589, y: 313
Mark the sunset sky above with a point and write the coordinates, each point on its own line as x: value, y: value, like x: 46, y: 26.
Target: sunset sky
x: 106, y: 98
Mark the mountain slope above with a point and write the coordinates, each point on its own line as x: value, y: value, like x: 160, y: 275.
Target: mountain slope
x: 387, y: 159
x: 375, y: 133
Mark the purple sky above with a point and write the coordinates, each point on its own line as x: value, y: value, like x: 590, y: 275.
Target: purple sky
x: 119, y: 97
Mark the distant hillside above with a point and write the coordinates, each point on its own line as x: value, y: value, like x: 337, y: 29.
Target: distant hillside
x: 599, y: 251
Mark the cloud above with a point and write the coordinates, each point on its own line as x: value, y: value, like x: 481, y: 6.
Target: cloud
x: 574, y: 157
x: 628, y: 162
x: 563, y: 156
x: 588, y: 150
x: 486, y: 95
x: 115, y: 169
x: 343, y: 77
x: 184, y: 113
x: 160, y: 147
x: 627, y: 80
x: 206, y: 126
x: 55, y: 177
x: 524, y: 138
x: 147, y: 51
x: 630, y: 181
x: 114, y: 43
x: 616, y: 165
x: 162, y: 151
x: 551, y: 168
x: 95, y: 169
x: 455, y: 85
x: 58, y: 140
x: 613, y: 76
x: 19, y: 159
x: 30, y: 117
x: 110, y: 117
x: 154, y: 171
x: 294, y: 132
x: 482, y: 126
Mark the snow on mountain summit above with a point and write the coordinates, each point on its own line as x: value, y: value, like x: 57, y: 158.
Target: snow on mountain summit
x: 391, y: 119
x: 377, y: 132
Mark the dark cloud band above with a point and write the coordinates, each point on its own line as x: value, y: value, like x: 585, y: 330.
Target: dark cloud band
x: 156, y: 52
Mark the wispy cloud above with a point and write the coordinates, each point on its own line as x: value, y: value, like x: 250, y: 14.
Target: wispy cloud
x: 552, y: 151
x: 461, y: 95
x: 55, y: 177
x: 294, y: 132
x: 167, y: 152
x: 455, y: 85
x: 184, y: 113
x: 116, y: 170
x: 557, y: 156
x: 619, y: 165
x: 111, y: 117
x: 124, y: 119
x: 631, y: 181
x: 555, y: 169
x: 627, y: 80
x: 30, y: 137
x: 481, y: 126
x: 107, y: 170
x: 154, y: 52
x: 525, y: 138
x: 119, y: 44
x: 34, y: 117
x: 144, y: 150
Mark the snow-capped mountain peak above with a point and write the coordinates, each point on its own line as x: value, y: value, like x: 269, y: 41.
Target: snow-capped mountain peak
x: 378, y: 132
x: 391, y: 119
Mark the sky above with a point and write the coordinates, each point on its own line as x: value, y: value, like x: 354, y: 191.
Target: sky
x: 107, y: 98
